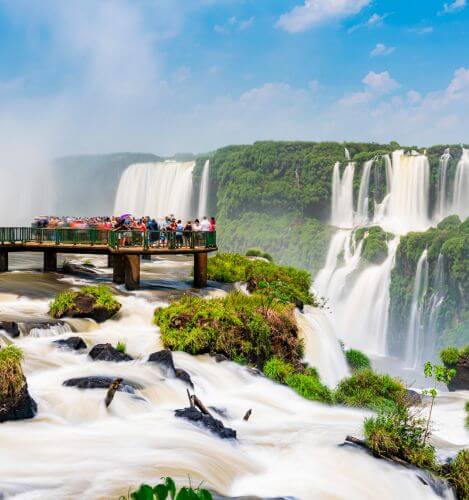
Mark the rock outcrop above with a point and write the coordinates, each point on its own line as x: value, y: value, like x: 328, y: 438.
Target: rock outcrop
x: 74, y: 343
x: 102, y: 382
x: 106, y: 352
x: 19, y: 406
x: 460, y: 381
x: 11, y: 327
x: 164, y: 359
x: 212, y: 424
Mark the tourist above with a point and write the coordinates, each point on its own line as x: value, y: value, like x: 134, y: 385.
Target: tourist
x: 188, y: 234
x: 212, y: 224
x: 179, y: 233
x: 205, y: 225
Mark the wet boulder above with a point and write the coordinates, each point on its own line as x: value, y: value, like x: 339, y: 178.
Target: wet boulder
x: 11, y: 327
x: 18, y: 406
x: 413, y: 398
x: 460, y: 381
x: 102, y: 382
x: 79, y: 269
x: 106, y: 352
x: 73, y: 343
x: 164, y: 359
x: 212, y: 424
x: 57, y: 326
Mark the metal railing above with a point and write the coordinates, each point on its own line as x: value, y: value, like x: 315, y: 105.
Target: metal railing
x: 114, y: 239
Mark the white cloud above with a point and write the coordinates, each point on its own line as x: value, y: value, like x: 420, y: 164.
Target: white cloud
x: 456, y: 5
x: 382, y: 50
x: 316, y: 12
x: 422, y: 30
x: 221, y: 30
x: 414, y: 97
x: 374, y: 21
x: 313, y: 85
x: 247, y: 23
x: 376, y: 85
x: 182, y: 74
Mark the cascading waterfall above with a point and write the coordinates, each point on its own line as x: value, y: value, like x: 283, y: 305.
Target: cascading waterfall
x: 441, y: 203
x: 362, y: 215
x: 204, y: 191
x: 415, y: 333
x: 342, y: 196
x: 434, y: 304
x: 409, y: 197
x: 156, y: 189
x: 461, y: 187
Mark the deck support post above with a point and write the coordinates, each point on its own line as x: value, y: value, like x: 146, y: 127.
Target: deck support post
x: 118, y: 272
x: 110, y: 260
x: 3, y: 260
x: 132, y: 271
x: 200, y: 270
x: 50, y: 261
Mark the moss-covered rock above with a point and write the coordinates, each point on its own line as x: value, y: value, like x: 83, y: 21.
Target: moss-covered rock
x: 246, y: 329
x: 96, y: 302
x: 283, y: 284
x: 375, y: 243
x: 357, y: 360
x: 15, y: 401
x: 459, y: 360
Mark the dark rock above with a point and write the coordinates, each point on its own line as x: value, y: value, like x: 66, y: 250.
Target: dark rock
x: 164, y: 358
x: 11, y: 327
x: 413, y: 398
x: 98, y: 382
x: 212, y: 424
x: 254, y: 371
x: 74, y: 343
x: 460, y: 381
x: 299, y: 304
x: 105, y: 352
x: 18, y: 407
x: 86, y: 269
x: 184, y: 376
x: 219, y: 358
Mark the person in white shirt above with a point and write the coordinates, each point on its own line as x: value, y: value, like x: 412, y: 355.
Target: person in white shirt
x: 205, y: 225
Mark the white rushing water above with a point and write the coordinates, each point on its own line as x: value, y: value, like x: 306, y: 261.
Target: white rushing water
x: 156, y: 189
x: 362, y: 214
x: 204, y: 191
x: 76, y: 448
x: 434, y: 304
x: 442, y: 201
x: 461, y: 187
x: 342, y: 196
x: 414, y: 338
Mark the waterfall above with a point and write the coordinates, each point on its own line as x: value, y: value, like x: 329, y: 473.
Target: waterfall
x: 156, y: 189
x: 461, y: 187
x: 441, y: 203
x: 388, y: 167
x: 362, y: 215
x: 415, y: 338
x: 322, y: 348
x: 409, y: 197
x: 342, y: 196
x: 204, y: 191
x: 434, y: 304
x: 347, y: 154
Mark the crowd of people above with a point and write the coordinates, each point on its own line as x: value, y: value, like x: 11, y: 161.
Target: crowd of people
x: 159, y: 231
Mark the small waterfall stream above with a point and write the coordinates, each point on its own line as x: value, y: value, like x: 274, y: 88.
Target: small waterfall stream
x: 434, y: 304
x: 461, y: 187
x: 415, y: 339
x: 362, y: 214
x: 204, y: 191
x: 442, y: 202
x: 342, y: 196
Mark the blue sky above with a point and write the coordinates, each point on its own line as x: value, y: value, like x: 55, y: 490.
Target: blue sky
x: 82, y: 76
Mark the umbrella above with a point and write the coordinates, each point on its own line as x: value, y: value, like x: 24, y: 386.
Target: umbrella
x: 124, y: 216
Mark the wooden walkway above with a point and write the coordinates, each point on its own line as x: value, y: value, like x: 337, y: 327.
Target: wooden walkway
x: 124, y: 248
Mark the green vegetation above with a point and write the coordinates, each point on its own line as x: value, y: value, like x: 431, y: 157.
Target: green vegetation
x: 121, y: 347
x: 367, y: 389
x: 452, y: 355
x: 357, y: 360
x: 11, y: 374
x: 304, y: 381
x: 257, y: 252
x: 467, y: 416
x: 167, y: 490
x: 77, y: 301
x: 375, y: 243
x: 450, y: 239
x: 284, y: 284
x: 398, y: 434
x: 248, y: 329
x: 457, y: 473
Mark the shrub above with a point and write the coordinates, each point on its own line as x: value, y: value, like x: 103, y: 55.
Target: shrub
x: 238, y: 326
x: 398, y: 434
x: 227, y: 267
x: 451, y: 355
x: 257, y: 252
x: 367, y: 389
x: 375, y: 247
x: 11, y: 375
x: 357, y: 360
x: 121, y: 347
x: 304, y: 381
x: 457, y: 473
x: 167, y: 490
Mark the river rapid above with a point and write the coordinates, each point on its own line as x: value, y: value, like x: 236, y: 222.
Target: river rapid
x: 75, y: 447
